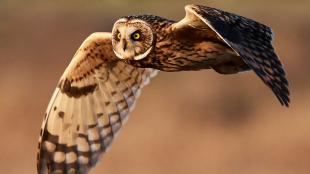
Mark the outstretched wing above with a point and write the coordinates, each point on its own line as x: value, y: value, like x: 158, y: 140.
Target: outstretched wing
x: 249, y: 39
x: 90, y: 104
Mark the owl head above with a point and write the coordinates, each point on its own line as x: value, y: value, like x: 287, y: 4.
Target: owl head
x: 132, y: 39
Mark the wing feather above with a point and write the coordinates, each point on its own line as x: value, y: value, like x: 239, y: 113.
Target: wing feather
x: 249, y: 39
x: 90, y: 104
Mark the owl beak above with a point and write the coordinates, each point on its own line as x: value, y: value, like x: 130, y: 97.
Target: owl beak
x: 124, y: 45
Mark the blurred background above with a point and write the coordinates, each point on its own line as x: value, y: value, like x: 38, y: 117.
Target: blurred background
x: 191, y: 122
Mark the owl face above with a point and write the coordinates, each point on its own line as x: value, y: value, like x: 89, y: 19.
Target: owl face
x: 132, y: 39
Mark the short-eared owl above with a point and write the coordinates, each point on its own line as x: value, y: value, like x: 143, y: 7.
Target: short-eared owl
x: 101, y: 84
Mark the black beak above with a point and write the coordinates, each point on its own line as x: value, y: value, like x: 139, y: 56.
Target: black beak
x: 124, y: 44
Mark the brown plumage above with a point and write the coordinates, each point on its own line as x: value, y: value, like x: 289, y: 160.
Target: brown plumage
x: 100, y: 86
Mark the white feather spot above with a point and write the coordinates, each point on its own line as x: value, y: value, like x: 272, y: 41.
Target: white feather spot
x: 71, y: 157
x: 82, y: 144
x: 95, y: 147
x: 50, y: 147
x: 59, y: 157
x: 83, y: 160
x: 93, y: 134
x: 103, y: 121
x: 114, y: 119
x: 105, y: 132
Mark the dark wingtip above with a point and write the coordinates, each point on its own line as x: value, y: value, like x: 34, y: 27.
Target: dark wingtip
x: 287, y: 102
x: 283, y: 97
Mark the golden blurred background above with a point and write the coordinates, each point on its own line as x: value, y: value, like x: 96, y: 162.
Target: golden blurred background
x: 188, y: 122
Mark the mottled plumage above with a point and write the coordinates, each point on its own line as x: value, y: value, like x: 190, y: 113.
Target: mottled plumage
x: 101, y: 84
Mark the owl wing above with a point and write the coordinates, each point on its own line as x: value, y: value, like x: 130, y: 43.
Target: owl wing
x: 249, y: 39
x: 90, y: 104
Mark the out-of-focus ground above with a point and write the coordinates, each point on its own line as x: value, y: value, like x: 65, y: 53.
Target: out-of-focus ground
x: 191, y: 122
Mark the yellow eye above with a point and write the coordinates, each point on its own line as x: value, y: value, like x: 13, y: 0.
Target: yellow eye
x: 136, y: 36
x: 119, y: 35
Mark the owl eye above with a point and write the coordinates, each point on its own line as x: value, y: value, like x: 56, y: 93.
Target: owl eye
x: 136, y: 35
x: 119, y: 36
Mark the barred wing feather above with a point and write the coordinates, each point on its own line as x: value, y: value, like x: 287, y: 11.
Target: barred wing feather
x: 90, y: 104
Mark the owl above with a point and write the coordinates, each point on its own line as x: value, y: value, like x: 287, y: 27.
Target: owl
x: 100, y: 86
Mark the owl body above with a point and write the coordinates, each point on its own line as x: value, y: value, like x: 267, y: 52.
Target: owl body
x: 187, y: 50
x: 100, y: 87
